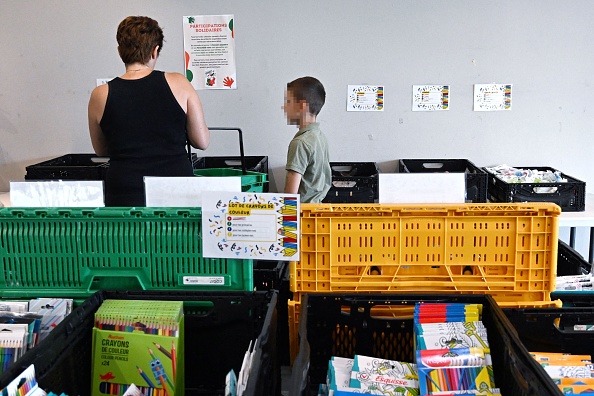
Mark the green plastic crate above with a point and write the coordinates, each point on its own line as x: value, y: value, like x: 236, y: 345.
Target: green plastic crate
x: 250, y: 181
x: 74, y: 252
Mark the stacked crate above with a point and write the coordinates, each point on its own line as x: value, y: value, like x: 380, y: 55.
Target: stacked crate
x: 506, y: 250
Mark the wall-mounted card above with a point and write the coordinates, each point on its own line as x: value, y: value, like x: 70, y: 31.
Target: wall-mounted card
x: 492, y: 97
x: 431, y: 97
x: 365, y: 98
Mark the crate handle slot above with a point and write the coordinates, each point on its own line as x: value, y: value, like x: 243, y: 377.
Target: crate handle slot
x: 432, y: 165
x: 116, y: 283
x: 544, y: 190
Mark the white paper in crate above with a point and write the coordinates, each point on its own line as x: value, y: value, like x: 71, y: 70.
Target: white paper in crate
x: 57, y: 193
x: 397, y: 188
x: 250, y: 225
x: 185, y: 191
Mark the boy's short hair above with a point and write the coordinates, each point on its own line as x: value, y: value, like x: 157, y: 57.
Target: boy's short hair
x: 311, y: 91
x: 137, y: 36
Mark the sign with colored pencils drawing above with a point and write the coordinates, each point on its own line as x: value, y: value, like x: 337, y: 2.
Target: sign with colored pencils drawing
x: 365, y: 98
x: 492, y: 97
x: 250, y: 225
x: 431, y: 97
x: 209, y: 51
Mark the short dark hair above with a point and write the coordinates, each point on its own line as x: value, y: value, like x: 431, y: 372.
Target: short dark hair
x: 311, y: 91
x: 137, y: 36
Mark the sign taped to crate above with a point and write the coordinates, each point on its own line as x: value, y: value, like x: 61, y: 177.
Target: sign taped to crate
x: 396, y: 188
x: 250, y: 225
x: 184, y: 191
x: 57, y: 193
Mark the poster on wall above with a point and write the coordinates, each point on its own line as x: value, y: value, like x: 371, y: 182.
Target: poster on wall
x: 209, y: 51
x: 431, y: 97
x: 492, y: 97
x: 365, y: 98
x: 249, y: 225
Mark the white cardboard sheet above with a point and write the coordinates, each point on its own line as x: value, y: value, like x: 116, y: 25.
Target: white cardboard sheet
x: 185, y: 191
x: 397, y: 188
x: 58, y: 193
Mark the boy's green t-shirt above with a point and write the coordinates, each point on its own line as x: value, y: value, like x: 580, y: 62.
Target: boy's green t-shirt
x: 308, y: 155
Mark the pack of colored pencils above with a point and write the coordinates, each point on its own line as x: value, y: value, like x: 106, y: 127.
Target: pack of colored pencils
x: 13, y: 343
x: 24, y: 385
x: 452, y: 350
x: 137, y: 346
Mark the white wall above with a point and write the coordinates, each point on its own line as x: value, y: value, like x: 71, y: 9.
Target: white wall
x: 53, y: 50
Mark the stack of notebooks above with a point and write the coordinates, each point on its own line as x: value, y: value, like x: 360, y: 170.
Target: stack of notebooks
x: 369, y: 375
x: 138, y: 343
x: 452, y: 350
x: 573, y: 374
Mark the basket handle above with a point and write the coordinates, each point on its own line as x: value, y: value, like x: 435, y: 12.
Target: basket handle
x: 241, y: 152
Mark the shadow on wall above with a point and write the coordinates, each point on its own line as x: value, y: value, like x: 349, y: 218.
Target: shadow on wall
x: 12, y: 171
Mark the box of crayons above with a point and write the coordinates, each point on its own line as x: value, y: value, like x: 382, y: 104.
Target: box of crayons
x: 138, y: 342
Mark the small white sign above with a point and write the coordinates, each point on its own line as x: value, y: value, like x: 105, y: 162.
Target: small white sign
x: 58, y: 193
x: 101, y: 81
x: 249, y: 225
x: 492, y: 97
x: 431, y: 97
x: 395, y: 188
x: 365, y: 98
x: 185, y: 191
x: 204, y: 280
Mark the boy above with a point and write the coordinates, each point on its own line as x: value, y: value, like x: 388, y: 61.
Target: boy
x: 308, y: 164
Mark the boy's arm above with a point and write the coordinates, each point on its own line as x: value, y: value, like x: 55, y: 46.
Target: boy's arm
x: 292, y: 182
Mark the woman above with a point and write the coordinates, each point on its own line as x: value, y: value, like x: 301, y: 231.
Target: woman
x: 142, y: 119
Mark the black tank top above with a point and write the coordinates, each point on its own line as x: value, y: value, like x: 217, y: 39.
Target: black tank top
x: 145, y: 129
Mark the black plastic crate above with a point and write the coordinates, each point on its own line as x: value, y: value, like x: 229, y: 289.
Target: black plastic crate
x: 70, y: 167
x: 345, y: 325
x: 570, y: 262
x: 275, y: 275
x: 252, y: 163
x: 570, y: 196
x: 552, y: 329
x: 218, y: 330
x: 353, y: 182
x: 476, y: 178
x: 268, y: 274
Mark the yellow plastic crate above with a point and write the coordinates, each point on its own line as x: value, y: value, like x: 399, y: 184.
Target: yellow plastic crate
x: 507, y: 250
x: 294, y: 313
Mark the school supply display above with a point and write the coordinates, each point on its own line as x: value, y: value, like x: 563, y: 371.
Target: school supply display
x: 235, y: 385
x: 573, y: 374
x: 138, y: 342
x: 452, y: 350
x: 369, y: 375
x: 24, y: 385
x: 52, y: 311
x: 511, y: 174
x: 574, y: 282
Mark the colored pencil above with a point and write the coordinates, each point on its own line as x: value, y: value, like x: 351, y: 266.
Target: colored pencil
x: 163, y: 350
x: 145, y: 377
x: 173, y: 359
